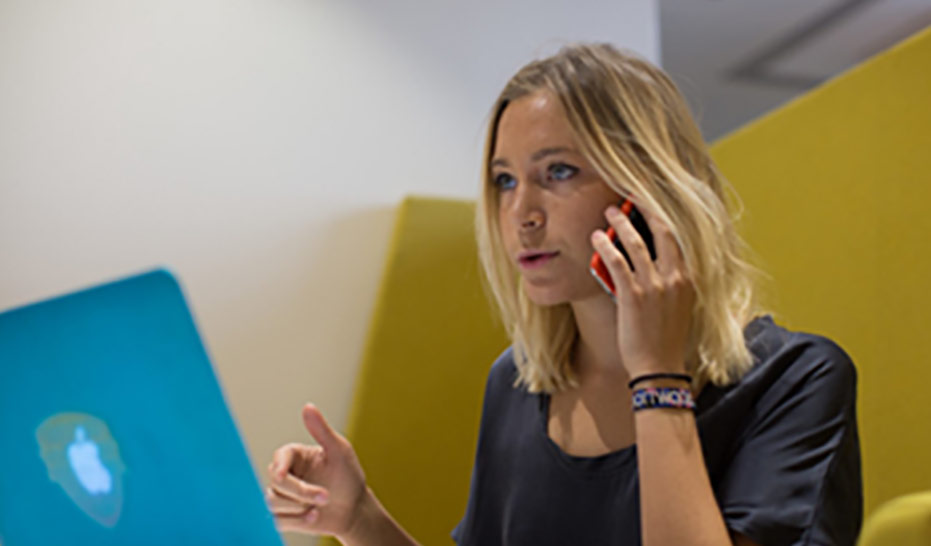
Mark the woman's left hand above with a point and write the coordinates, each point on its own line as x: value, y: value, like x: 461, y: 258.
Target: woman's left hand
x: 654, y: 301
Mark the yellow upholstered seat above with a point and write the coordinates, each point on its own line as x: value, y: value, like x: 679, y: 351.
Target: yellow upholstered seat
x: 904, y: 521
x: 432, y: 339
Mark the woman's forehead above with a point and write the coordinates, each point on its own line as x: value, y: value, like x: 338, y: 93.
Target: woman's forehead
x: 531, y: 123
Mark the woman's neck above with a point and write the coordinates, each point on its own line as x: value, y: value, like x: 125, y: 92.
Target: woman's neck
x: 596, y: 352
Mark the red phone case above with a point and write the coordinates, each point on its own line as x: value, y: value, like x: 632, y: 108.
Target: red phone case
x: 598, y: 269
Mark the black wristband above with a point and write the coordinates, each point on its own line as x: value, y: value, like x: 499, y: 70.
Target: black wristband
x: 679, y: 376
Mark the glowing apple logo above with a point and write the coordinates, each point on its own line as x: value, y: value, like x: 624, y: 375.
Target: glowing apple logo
x: 82, y: 457
x: 85, y: 462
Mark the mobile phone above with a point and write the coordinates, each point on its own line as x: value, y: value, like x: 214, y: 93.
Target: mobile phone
x: 598, y: 269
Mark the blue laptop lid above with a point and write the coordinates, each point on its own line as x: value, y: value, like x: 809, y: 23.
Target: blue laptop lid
x: 113, y: 428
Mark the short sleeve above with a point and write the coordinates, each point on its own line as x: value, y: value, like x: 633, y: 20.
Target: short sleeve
x: 795, y: 474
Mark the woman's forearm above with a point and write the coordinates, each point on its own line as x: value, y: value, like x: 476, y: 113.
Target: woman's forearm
x: 676, y: 500
x: 375, y: 526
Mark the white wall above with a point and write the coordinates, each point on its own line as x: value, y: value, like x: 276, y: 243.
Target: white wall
x: 259, y: 149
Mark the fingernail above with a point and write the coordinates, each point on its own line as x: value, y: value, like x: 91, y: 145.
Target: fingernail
x: 612, y: 211
x: 311, y: 516
x: 320, y: 498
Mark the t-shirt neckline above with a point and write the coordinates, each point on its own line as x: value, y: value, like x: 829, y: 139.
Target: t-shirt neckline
x: 613, y: 460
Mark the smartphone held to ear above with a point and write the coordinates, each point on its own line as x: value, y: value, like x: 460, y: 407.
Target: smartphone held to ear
x: 598, y: 269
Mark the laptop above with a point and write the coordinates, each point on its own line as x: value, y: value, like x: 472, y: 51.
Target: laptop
x: 113, y: 428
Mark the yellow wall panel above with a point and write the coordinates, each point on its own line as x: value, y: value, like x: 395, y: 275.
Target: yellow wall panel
x: 837, y: 193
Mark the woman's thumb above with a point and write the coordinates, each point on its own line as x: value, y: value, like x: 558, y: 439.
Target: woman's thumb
x: 319, y: 428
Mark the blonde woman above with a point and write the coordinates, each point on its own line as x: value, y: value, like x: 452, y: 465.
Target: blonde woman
x: 674, y: 412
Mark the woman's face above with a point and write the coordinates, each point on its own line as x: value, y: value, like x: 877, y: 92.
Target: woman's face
x: 550, y: 200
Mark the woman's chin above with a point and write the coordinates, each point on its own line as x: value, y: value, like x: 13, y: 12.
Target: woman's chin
x: 546, y: 296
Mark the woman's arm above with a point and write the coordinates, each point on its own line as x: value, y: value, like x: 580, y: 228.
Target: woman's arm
x: 375, y: 525
x: 654, y: 310
x: 676, y: 501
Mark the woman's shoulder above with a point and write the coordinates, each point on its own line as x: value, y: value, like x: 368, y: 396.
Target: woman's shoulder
x: 503, y: 372
x: 507, y: 407
x: 789, y: 365
x: 781, y: 352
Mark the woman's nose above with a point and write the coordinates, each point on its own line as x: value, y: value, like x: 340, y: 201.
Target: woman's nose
x: 531, y: 220
x: 526, y: 209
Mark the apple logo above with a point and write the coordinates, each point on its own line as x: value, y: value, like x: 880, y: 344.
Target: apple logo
x: 82, y: 457
x: 85, y: 462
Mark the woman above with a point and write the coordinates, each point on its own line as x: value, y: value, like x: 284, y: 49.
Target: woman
x: 673, y: 413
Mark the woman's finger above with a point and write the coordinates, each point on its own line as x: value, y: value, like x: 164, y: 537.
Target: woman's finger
x: 620, y: 272
x: 282, y: 506
x: 305, y: 523
x: 669, y: 255
x: 296, y: 489
x: 294, y: 458
x: 322, y: 432
x: 632, y: 241
x: 282, y: 459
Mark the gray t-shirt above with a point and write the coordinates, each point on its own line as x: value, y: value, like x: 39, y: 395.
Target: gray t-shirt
x: 780, y: 446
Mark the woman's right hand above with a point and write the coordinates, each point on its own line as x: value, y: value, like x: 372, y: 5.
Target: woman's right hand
x: 317, y: 489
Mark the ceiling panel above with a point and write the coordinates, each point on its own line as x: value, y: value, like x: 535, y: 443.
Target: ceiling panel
x: 737, y: 59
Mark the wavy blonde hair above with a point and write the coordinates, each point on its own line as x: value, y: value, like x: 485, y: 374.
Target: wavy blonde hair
x: 633, y: 125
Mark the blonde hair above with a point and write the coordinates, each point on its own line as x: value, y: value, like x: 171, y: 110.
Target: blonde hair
x: 633, y: 125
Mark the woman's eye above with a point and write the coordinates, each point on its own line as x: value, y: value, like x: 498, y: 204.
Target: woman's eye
x: 504, y: 181
x: 561, y: 171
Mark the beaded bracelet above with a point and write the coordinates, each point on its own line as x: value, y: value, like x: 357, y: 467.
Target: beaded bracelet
x: 650, y: 376
x: 663, y: 398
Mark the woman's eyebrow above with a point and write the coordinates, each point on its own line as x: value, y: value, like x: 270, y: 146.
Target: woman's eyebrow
x: 540, y: 154
x: 537, y: 156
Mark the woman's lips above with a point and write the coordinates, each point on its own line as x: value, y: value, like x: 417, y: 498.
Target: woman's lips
x: 537, y: 260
